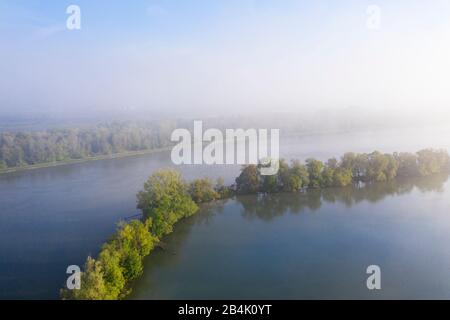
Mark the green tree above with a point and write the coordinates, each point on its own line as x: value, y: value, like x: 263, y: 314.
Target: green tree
x: 432, y: 162
x: 270, y: 184
x: 223, y: 191
x: 300, y: 174
x: 348, y: 161
x: 407, y: 164
x: 327, y: 179
x: 283, y: 177
x: 93, y: 286
x: 110, y: 260
x: 357, y: 163
x: 21, y: 148
x: 202, y: 190
x: 135, y: 235
x: 165, y: 199
x: 314, y: 168
x: 249, y: 181
x: 376, y: 168
x: 119, y: 262
x: 342, y: 177
x: 391, y: 170
x: 132, y: 264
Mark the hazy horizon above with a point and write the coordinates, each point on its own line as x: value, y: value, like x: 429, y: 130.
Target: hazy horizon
x: 210, y: 58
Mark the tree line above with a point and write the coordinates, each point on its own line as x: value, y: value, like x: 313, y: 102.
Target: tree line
x: 352, y: 167
x: 19, y: 149
x: 166, y: 198
x: 270, y: 206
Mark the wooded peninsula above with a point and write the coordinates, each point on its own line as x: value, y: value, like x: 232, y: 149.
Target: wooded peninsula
x: 166, y: 198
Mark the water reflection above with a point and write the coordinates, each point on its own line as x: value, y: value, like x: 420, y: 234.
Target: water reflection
x: 269, y: 206
x: 255, y: 247
x: 168, y: 252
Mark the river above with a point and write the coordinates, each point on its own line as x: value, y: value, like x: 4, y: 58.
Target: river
x: 54, y: 217
x: 316, y: 245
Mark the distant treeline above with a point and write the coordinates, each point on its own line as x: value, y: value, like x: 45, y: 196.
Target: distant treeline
x: 167, y: 198
x: 19, y: 149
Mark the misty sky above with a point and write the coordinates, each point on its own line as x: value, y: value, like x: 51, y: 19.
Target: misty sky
x: 211, y: 57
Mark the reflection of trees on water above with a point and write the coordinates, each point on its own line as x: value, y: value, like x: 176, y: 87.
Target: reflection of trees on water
x: 208, y: 210
x: 168, y: 254
x: 269, y: 206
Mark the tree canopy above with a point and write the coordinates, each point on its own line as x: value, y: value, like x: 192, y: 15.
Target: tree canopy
x: 352, y: 167
x: 167, y: 198
x: 18, y: 149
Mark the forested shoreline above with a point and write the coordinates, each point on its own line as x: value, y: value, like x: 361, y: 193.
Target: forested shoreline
x: 55, y: 146
x: 167, y: 198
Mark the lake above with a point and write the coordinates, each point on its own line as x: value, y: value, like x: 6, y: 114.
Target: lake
x: 290, y: 246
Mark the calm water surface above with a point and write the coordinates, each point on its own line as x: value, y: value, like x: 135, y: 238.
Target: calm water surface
x: 54, y: 217
x: 316, y: 245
